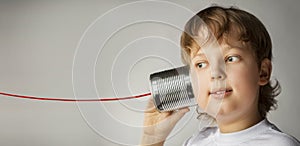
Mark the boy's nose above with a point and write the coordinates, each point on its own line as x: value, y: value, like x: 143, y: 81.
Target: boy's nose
x: 218, y: 74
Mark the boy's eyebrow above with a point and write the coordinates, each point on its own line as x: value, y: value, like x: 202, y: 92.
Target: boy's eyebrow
x: 230, y: 47
x: 198, y: 56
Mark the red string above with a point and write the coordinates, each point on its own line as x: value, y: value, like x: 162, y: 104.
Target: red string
x: 73, y: 100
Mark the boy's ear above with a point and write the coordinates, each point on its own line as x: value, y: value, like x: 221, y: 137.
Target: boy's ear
x: 265, y: 72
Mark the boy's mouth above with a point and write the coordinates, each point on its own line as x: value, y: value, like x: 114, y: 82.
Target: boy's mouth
x: 220, y: 93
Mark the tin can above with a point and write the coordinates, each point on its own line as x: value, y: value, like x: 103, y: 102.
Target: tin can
x: 172, y: 89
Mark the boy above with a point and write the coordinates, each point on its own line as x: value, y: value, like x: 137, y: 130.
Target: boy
x: 229, y: 53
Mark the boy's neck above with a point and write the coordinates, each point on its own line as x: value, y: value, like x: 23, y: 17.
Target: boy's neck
x: 241, y: 124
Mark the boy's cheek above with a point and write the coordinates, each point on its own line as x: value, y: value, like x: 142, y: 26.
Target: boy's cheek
x: 200, y: 89
x: 199, y: 93
x: 202, y: 102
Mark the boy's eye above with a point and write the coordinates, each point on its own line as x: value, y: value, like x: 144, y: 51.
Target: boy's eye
x: 202, y: 65
x: 232, y: 59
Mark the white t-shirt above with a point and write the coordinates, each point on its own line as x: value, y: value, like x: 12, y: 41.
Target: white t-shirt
x: 262, y: 134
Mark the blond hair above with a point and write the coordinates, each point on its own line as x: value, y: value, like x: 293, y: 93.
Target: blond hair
x: 221, y: 21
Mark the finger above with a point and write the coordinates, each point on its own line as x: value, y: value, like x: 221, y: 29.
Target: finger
x: 184, y: 110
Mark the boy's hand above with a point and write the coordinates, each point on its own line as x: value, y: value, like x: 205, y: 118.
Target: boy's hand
x: 157, y: 126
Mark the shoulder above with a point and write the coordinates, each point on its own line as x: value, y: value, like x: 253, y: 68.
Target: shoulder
x: 277, y: 137
x: 280, y: 139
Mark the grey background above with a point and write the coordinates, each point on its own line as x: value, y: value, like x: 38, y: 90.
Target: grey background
x: 38, y: 41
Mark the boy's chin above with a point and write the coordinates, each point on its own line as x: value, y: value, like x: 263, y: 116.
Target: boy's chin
x: 227, y: 117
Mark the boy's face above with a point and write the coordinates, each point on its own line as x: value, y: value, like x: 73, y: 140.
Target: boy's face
x: 226, y: 80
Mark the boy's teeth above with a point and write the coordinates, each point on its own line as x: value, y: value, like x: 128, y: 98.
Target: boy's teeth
x: 220, y: 92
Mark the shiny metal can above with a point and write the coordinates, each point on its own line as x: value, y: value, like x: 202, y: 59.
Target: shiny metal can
x: 172, y: 89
